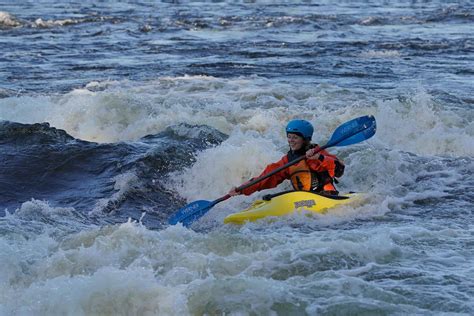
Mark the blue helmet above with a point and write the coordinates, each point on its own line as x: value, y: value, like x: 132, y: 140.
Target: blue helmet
x: 300, y: 127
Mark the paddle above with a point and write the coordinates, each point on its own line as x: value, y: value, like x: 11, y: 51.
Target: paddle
x: 351, y: 132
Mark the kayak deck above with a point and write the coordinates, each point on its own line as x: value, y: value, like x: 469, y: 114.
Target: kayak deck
x: 289, y: 202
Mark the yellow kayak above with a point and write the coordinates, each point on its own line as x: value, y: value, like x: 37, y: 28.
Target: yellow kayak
x: 286, y: 203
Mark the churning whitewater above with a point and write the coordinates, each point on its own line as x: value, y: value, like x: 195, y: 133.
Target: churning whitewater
x: 114, y: 116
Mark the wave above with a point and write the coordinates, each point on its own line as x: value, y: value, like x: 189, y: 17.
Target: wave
x: 380, y: 54
x: 418, y: 124
x: 32, y: 134
x: 119, y: 179
x: 413, y: 119
x: 8, y: 21
x: 178, y: 139
x: 51, y: 23
x: 451, y: 13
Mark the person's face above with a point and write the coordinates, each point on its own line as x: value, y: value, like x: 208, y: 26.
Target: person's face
x: 295, y: 141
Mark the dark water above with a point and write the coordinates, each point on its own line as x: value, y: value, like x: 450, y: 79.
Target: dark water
x: 69, y: 45
x: 48, y: 164
x: 114, y: 115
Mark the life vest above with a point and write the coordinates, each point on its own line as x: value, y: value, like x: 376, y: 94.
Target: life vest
x: 304, y: 179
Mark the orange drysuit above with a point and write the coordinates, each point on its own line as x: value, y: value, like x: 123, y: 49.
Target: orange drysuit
x: 307, y: 175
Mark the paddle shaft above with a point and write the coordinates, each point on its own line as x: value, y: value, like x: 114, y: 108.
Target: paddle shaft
x: 291, y: 163
x: 249, y: 184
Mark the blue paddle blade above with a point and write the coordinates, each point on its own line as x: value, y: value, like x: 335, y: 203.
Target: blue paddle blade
x: 354, y: 131
x: 190, y: 212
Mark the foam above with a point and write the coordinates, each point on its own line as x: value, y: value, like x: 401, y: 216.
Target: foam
x: 127, y: 269
x: 123, y: 183
x: 380, y: 54
x: 8, y: 20
x: 123, y: 111
x: 219, y: 168
x: 51, y: 23
x: 36, y: 208
x: 421, y: 126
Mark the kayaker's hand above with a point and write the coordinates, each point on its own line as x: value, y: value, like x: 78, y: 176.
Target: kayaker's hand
x: 312, y: 154
x: 234, y: 192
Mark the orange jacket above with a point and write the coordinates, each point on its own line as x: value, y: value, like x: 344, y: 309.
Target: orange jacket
x: 326, y: 164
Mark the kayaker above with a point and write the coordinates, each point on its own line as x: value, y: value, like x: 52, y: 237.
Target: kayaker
x: 317, y: 173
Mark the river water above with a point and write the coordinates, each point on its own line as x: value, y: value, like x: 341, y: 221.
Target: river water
x: 115, y: 115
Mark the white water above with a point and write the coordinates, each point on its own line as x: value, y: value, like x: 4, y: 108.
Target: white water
x: 128, y: 269
x: 248, y: 108
x: 377, y: 256
x: 113, y: 72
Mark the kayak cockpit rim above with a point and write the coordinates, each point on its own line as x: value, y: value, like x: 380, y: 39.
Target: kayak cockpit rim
x: 268, y: 197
